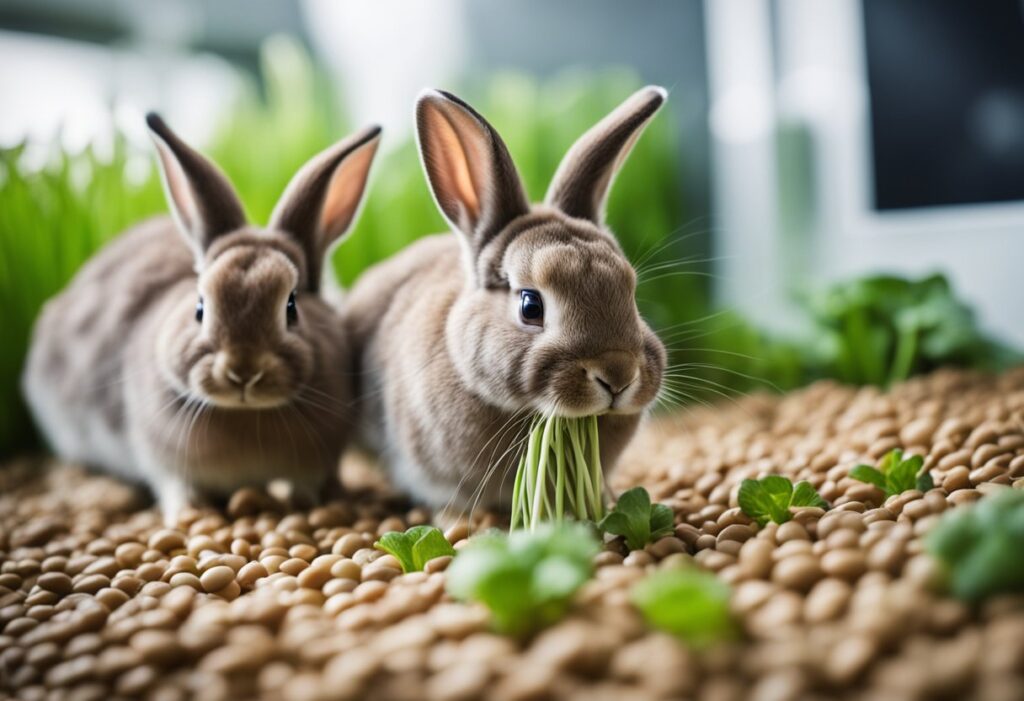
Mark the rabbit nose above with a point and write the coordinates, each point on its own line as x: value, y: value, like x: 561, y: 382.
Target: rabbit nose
x: 238, y: 371
x: 614, y: 371
x: 243, y: 378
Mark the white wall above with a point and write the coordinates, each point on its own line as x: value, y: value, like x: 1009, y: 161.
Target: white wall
x: 818, y: 89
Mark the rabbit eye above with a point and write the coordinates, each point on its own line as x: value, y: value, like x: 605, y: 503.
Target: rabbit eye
x: 291, y: 311
x: 531, y: 308
x: 199, y: 309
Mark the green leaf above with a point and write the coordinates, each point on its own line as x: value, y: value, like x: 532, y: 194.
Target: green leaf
x: 663, y: 521
x: 866, y: 473
x: 400, y: 546
x: 980, y: 546
x: 637, y: 520
x: 890, y: 460
x: 616, y: 523
x: 429, y: 543
x: 414, y: 548
x: 895, y: 474
x: 770, y: 498
x: 925, y: 481
x: 689, y: 603
x: 903, y: 475
x: 806, y: 495
x: 526, y: 579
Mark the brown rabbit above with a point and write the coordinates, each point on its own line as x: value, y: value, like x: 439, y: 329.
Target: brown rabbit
x: 196, y: 355
x: 525, y: 310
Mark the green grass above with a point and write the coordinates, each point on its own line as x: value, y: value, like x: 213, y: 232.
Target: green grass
x: 51, y: 221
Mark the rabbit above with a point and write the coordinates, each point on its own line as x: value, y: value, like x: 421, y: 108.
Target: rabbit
x: 523, y: 310
x: 194, y: 353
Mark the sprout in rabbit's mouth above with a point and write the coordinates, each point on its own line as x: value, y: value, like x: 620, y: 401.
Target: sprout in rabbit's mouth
x: 559, y: 475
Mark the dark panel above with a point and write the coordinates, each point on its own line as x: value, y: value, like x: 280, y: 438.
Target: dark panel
x: 946, y: 81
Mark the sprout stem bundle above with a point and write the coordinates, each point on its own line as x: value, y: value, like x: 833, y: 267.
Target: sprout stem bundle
x: 560, y: 474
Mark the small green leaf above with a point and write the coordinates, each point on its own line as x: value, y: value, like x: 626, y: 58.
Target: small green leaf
x: 806, y: 495
x: 770, y: 498
x: 526, y: 579
x: 895, y: 474
x: 890, y: 460
x: 616, y: 523
x: 415, y: 547
x: 866, y: 473
x: 637, y: 520
x: 398, y: 545
x: 430, y: 543
x: 925, y: 481
x: 689, y: 603
x: 663, y: 521
x: 903, y: 475
x: 980, y: 545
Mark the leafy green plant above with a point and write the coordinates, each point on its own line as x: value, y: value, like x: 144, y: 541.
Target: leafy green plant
x: 52, y: 219
x: 895, y: 474
x: 882, y: 329
x: 414, y: 548
x: 980, y: 546
x: 771, y: 498
x: 526, y: 579
x: 637, y: 519
x: 559, y: 474
x: 689, y: 603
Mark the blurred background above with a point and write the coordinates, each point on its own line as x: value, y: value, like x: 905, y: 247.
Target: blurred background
x: 835, y: 189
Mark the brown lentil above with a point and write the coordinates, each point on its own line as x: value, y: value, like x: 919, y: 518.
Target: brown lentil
x: 835, y: 604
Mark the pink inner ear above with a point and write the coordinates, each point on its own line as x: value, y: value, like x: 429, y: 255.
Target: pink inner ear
x: 344, y: 193
x: 453, y: 172
x: 178, y: 189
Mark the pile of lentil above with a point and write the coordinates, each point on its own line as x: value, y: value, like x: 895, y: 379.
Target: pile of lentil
x: 99, y: 601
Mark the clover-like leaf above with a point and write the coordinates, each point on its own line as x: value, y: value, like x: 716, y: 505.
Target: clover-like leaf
x: 770, y: 498
x: 637, y: 520
x: 895, y: 474
x: 866, y: 473
x: 414, y: 548
x: 689, y: 603
x: 526, y: 579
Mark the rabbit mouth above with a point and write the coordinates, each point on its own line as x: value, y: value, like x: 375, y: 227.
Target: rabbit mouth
x: 240, y: 399
x: 245, y: 394
x: 610, y: 406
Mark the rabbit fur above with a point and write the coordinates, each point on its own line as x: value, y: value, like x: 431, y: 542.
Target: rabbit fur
x: 449, y: 371
x: 194, y: 353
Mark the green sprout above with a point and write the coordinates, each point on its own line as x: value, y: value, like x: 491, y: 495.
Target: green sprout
x: 894, y: 474
x: 689, y: 603
x: 560, y: 474
x: 638, y: 520
x: 771, y: 498
x: 414, y: 548
x: 525, y: 579
x: 980, y: 546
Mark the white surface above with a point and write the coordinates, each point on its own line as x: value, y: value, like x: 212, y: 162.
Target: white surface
x: 383, y: 53
x: 55, y: 87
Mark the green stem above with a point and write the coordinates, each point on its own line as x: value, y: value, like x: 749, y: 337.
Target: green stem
x: 517, y: 493
x: 581, y: 474
x: 540, y: 487
x: 906, y: 347
x: 560, y: 473
x: 597, y: 475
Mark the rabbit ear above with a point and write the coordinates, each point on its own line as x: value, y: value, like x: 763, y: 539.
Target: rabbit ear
x: 581, y: 183
x: 471, y: 174
x: 322, y: 199
x: 203, y: 202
